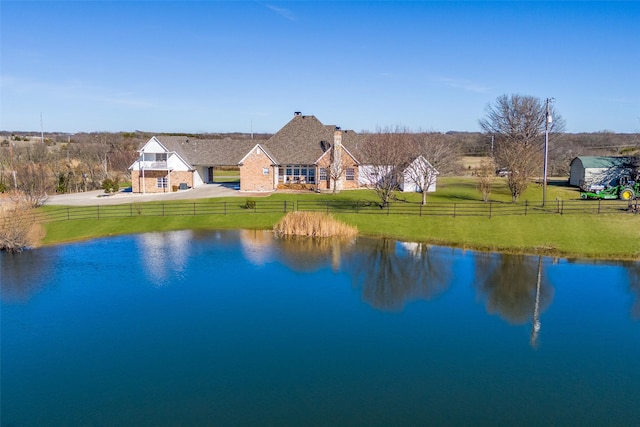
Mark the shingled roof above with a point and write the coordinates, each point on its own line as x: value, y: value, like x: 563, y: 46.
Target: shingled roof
x: 304, y: 140
x: 208, y: 152
x: 301, y: 141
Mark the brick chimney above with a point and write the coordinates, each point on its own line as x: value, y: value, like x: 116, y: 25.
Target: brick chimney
x: 337, y: 137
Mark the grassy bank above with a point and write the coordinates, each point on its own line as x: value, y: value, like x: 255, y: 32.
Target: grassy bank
x: 610, y: 236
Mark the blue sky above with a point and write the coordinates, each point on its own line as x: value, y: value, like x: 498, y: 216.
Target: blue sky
x: 210, y: 66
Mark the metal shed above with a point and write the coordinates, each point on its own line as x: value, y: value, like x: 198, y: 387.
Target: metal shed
x: 599, y: 170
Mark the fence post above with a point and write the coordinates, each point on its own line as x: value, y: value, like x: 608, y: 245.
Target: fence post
x: 599, y: 201
x: 490, y: 205
x: 454, y: 210
x: 357, y: 203
x: 558, y: 203
x: 194, y: 208
x: 526, y: 205
x: 225, y: 207
x: 561, y: 207
x: 285, y: 207
x: 67, y: 214
x: 420, y: 212
x: 388, y: 204
x: 98, y: 206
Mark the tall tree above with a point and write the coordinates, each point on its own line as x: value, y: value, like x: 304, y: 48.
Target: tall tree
x: 385, y: 154
x: 518, y: 124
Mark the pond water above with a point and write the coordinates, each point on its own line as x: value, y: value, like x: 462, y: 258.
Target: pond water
x: 239, y: 328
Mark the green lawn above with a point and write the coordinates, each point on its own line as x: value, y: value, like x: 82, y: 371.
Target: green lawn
x: 613, y: 236
x: 227, y: 175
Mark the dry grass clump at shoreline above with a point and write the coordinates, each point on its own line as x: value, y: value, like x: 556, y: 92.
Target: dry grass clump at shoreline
x: 313, y: 224
x: 18, y: 231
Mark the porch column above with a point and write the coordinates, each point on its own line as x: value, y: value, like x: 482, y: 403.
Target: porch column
x: 143, y: 184
x: 275, y: 176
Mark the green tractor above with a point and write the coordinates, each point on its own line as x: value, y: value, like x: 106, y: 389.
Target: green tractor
x: 626, y: 189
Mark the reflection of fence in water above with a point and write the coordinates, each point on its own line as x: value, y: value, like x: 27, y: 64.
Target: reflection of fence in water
x: 479, y: 209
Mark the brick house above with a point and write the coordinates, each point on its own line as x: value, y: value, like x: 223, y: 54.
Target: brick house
x: 304, y: 151
x: 167, y: 161
x: 158, y: 168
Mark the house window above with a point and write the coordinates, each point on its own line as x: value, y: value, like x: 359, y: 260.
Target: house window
x: 351, y: 174
x: 265, y: 171
x: 161, y: 182
x: 323, y: 174
x: 311, y: 178
x: 161, y: 157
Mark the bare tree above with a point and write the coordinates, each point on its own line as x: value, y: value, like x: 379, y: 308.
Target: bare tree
x: 431, y: 154
x: 518, y: 124
x: 337, y: 166
x: 34, y: 181
x: 385, y: 154
x: 486, y: 174
x: 94, y: 157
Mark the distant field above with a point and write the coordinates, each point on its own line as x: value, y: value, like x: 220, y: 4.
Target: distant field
x: 470, y: 163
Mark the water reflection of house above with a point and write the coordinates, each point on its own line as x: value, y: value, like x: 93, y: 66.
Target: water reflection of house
x: 257, y: 246
x: 163, y: 254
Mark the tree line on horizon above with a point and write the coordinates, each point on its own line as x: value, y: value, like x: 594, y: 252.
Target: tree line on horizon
x: 49, y: 163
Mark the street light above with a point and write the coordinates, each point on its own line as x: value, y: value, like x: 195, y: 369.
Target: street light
x: 548, y: 119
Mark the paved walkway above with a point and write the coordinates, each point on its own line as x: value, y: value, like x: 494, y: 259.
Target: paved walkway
x: 98, y: 197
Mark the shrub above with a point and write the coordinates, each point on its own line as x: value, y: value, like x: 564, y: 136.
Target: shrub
x: 110, y: 186
x: 62, y: 186
x: 249, y: 204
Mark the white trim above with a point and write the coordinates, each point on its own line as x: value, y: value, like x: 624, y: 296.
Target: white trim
x: 263, y: 151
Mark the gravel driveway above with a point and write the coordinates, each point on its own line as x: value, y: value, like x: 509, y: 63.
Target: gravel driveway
x: 98, y: 197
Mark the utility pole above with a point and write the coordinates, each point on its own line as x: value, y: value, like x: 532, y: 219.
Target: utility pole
x: 41, y: 130
x: 13, y: 170
x: 492, y: 138
x: 547, y: 121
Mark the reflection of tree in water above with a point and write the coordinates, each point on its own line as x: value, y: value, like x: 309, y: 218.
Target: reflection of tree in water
x: 390, y: 279
x: 21, y: 274
x: 311, y: 253
x: 633, y: 270
x: 508, y: 284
